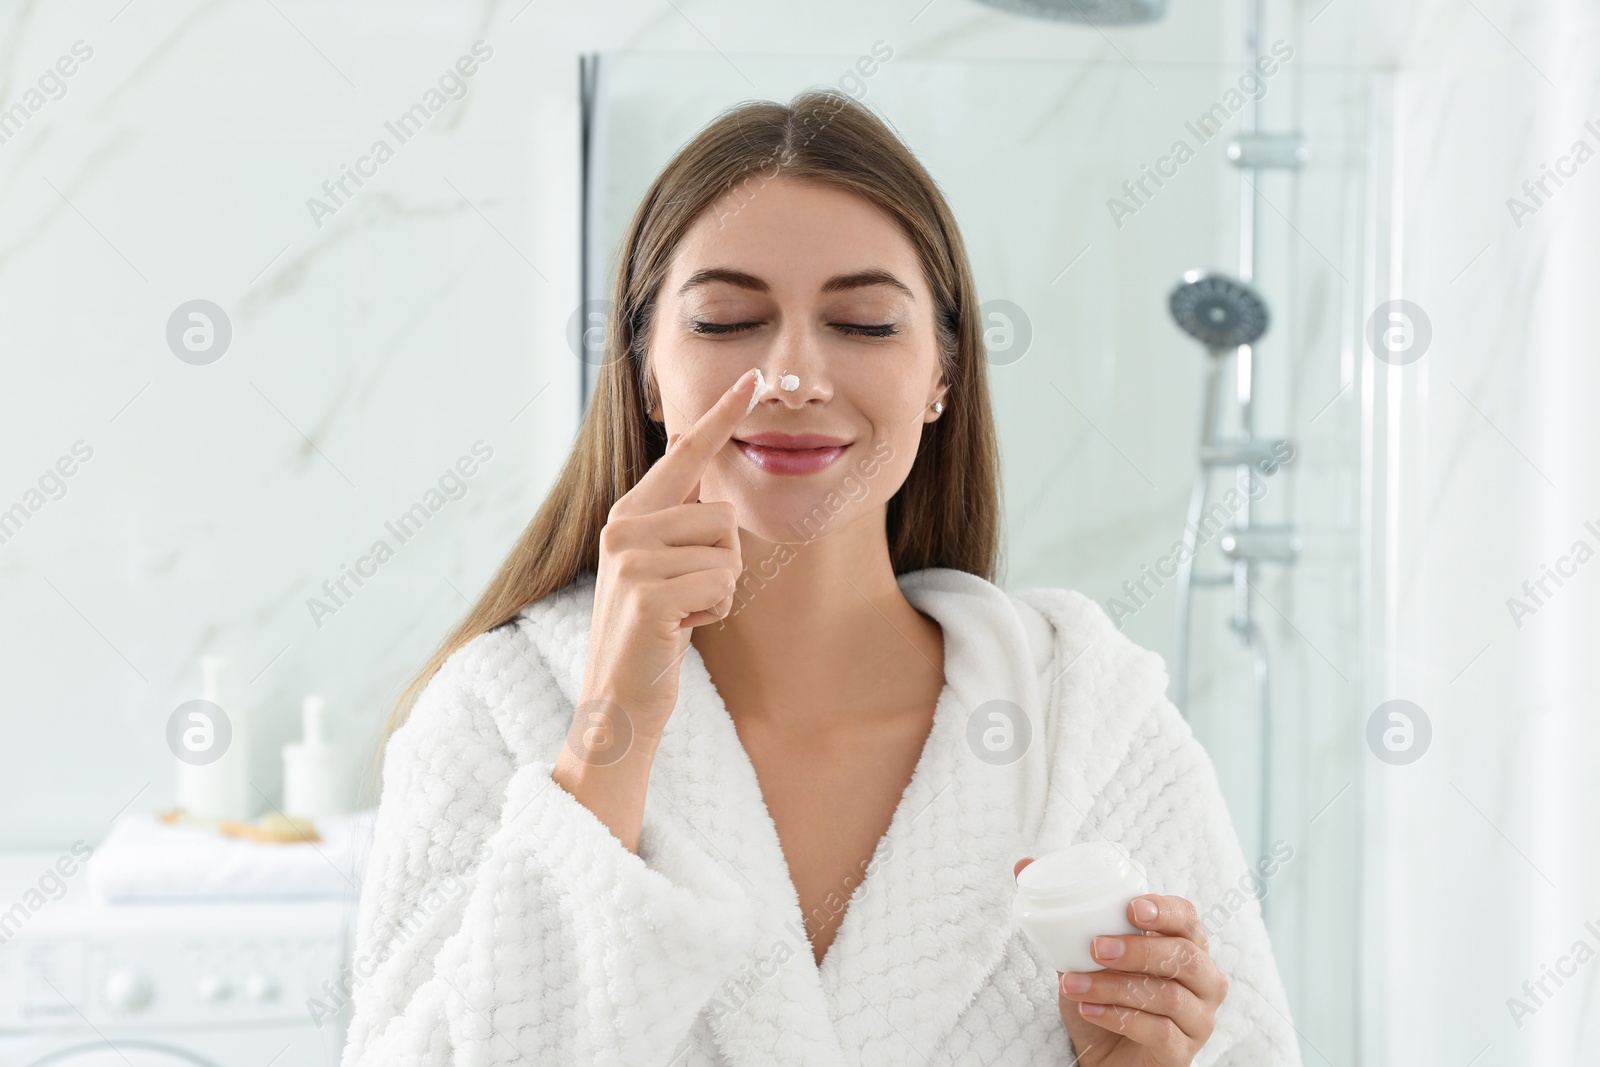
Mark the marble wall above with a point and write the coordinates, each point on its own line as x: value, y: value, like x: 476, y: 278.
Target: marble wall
x: 361, y: 341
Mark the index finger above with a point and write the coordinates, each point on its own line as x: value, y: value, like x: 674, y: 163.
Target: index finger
x: 673, y: 478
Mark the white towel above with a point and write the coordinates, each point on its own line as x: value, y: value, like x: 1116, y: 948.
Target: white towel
x: 144, y: 859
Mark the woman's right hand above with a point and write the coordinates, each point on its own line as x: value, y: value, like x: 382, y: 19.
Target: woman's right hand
x: 667, y: 564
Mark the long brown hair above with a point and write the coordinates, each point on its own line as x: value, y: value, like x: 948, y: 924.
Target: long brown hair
x: 947, y: 512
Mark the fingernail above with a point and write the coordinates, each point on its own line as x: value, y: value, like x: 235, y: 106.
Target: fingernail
x: 1075, y: 983
x: 1144, y: 910
x: 1092, y: 1009
x: 1107, y: 948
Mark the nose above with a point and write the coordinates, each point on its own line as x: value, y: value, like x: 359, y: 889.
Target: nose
x: 795, y: 370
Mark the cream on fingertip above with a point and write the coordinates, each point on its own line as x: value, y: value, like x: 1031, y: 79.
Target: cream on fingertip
x: 761, y: 387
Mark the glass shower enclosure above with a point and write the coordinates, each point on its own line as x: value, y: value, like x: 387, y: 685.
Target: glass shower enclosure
x: 1084, y: 191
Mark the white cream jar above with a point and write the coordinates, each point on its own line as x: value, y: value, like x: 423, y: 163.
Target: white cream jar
x: 1065, y: 899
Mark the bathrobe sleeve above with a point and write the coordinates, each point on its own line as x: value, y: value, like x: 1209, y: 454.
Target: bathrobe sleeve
x: 1165, y: 804
x: 500, y: 921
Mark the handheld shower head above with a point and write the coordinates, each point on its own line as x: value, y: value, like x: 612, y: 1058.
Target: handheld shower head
x: 1091, y: 12
x: 1218, y: 311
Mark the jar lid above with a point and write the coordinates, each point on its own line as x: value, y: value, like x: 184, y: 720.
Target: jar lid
x: 1078, y: 873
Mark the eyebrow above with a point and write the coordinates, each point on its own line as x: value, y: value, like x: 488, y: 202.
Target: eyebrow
x: 837, y: 284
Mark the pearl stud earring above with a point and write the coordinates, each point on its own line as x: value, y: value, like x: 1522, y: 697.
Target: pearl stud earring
x: 938, y: 407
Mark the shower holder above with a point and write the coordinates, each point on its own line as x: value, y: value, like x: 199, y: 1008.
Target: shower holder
x: 1268, y: 151
x: 1247, y: 453
x: 1261, y: 544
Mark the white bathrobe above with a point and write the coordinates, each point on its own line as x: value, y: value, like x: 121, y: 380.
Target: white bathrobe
x: 502, y: 923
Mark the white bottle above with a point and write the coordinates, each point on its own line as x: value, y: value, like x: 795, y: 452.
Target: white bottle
x: 1065, y: 899
x: 313, y: 770
x: 214, y: 787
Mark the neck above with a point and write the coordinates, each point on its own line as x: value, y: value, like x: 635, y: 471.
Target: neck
x: 827, y: 614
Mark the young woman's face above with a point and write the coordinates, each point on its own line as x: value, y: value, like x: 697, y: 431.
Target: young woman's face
x: 816, y: 282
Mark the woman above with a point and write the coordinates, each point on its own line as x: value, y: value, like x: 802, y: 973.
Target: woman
x: 736, y: 760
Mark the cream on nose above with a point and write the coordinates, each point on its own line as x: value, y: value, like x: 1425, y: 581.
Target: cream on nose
x: 789, y: 383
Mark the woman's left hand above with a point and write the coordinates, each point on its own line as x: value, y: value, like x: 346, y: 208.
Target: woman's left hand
x: 1156, y: 1002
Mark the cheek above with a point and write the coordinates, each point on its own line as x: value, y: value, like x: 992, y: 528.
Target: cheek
x: 686, y: 393
x: 884, y: 461
x: 892, y: 406
x: 894, y: 457
x: 896, y: 415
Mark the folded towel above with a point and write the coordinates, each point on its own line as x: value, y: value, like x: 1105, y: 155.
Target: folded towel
x: 143, y: 859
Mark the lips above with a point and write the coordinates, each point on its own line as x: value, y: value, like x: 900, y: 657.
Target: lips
x: 785, y: 453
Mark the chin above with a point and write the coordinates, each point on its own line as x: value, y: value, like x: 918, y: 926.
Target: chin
x: 795, y: 523
x: 799, y: 514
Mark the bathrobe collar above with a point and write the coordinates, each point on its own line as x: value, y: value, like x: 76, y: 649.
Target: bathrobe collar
x: 931, y: 919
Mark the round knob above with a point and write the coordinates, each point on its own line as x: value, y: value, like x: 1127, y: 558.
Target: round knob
x: 260, y: 987
x: 212, y: 988
x: 126, y: 990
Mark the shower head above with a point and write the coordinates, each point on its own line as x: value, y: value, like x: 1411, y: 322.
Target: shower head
x: 1092, y: 12
x: 1218, y: 311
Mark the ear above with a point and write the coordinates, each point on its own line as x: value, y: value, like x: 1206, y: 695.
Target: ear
x: 941, y: 391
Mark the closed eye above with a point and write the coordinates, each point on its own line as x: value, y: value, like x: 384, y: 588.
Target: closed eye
x: 854, y: 329
x: 719, y: 327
